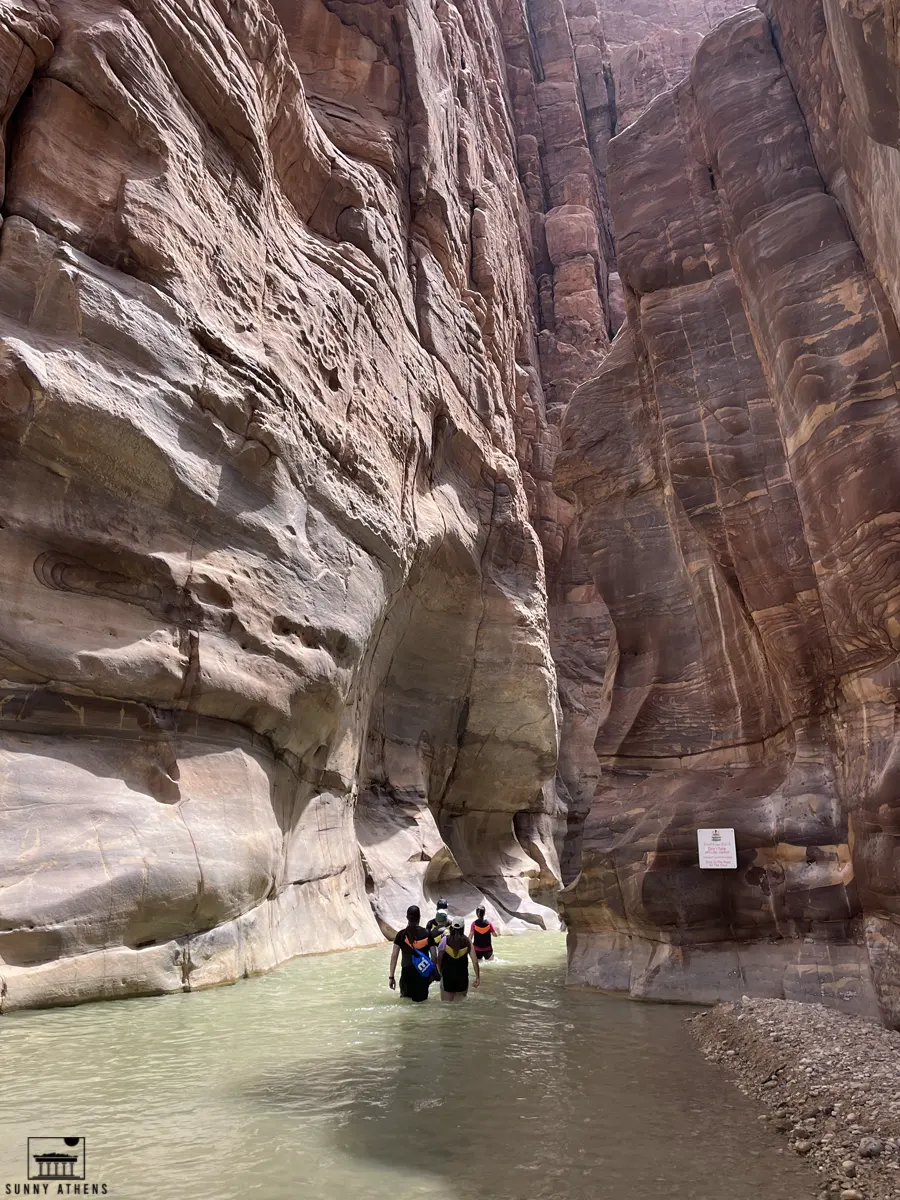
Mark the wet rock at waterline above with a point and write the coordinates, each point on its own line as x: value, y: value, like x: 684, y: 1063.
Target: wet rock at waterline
x: 734, y: 470
x: 273, y: 623
x: 304, y: 615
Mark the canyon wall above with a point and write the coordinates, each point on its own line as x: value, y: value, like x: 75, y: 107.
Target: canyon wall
x: 734, y: 468
x: 274, y: 644
x: 377, y: 525
x: 577, y: 70
x: 293, y: 294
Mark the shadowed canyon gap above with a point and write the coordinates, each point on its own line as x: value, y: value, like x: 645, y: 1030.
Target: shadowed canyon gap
x: 375, y: 524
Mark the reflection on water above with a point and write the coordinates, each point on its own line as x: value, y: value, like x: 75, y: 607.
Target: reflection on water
x: 317, y: 1082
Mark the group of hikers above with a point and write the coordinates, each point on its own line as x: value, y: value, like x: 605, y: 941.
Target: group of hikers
x: 440, y: 951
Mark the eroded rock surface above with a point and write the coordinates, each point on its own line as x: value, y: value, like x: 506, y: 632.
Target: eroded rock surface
x: 577, y: 70
x: 734, y: 467
x: 651, y: 44
x: 274, y: 633
x: 305, y: 616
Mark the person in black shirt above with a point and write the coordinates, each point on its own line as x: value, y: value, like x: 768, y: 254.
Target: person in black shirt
x: 454, y: 957
x: 413, y: 937
x: 438, y: 925
x: 481, y: 933
x: 440, y: 922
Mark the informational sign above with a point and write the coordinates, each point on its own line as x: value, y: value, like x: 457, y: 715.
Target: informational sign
x: 717, y: 849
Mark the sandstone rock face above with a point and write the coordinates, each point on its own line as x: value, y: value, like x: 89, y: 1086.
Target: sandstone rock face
x: 651, y: 44
x: 274, y: 643
x: 734, y: 468
x: 568, y: 68
x: 377, y: 526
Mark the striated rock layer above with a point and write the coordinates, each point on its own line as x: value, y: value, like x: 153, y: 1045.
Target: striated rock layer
x: 577, y: 70
x: 293, y: 294
x: 354, y: 553
x: 735, y: 472
x: 274, y: 645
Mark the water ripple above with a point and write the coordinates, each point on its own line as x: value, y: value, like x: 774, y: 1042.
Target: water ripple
x: 315, y: 1081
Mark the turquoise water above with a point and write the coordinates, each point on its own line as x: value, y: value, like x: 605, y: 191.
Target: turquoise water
x: 316, y: 1082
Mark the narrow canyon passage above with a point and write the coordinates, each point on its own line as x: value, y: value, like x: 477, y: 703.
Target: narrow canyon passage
x: 314, y: 1081
x: 450, y: 449
x: 449, y: 460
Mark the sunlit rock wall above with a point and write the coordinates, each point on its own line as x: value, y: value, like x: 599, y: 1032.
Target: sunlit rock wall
x: 295, y: 296
x: 735, y: 471
x: 273, y: 627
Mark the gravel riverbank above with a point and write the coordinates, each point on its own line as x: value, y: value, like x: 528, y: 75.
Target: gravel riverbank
x: 829, y: 1083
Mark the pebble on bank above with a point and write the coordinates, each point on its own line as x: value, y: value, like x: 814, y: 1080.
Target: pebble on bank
x: 831, y: 1083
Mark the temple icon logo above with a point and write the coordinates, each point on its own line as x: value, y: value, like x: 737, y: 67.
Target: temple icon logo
x: 56, y: 1158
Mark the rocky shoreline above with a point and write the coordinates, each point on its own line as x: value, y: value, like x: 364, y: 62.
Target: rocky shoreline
x: 830, y: 1083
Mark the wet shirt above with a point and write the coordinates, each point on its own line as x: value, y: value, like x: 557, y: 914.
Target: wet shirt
x: 415, y: 938
x: 457, y: 952
x: 481, y: 934
x: 455, y: 966
x: 437, y: 930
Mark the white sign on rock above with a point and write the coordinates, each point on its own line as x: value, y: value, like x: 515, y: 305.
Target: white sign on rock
x: 717, y: 849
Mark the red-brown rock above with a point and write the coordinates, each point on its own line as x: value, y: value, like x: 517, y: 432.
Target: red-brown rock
x: 734, y: 471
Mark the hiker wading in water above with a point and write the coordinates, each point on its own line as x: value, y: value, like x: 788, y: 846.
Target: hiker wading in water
x: 438, y: 926
x: 481, y: 933
x: 440, y: 922
x: 453, y: 963
x: 412, y: 939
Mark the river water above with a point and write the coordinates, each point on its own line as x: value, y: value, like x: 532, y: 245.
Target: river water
x: 316, y: 1083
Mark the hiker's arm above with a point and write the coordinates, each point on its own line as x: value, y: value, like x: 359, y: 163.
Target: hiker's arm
x: 395, y: 954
